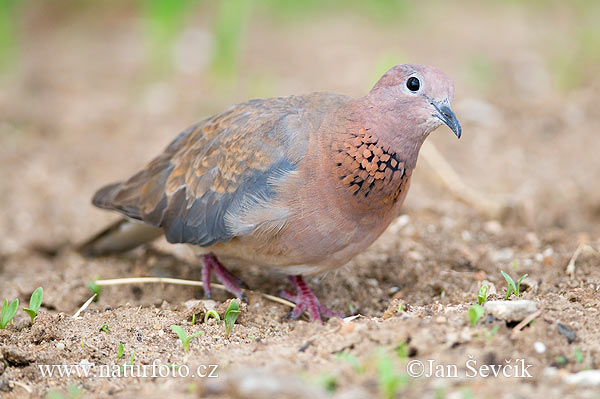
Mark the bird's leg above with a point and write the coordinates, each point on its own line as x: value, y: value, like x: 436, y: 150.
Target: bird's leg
x: 231, y: 282
x: 305, y: 299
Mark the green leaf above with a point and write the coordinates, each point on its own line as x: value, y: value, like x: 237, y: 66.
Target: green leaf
x: 231, y: 315
x: 196, y: 334
x: 185, y: 340
x: 8, y: 312
x: 578, y: 355
x: 493, y: 331
x: 32, y: 313
x: 352, y: 360
x: 519, y: 284
x: 120, y: 350
x: 482, y: 294
x: 475, y: 313
x: 180, y: 332
x: 132, y: 358
x: 402, y: 350
x: 212, y: 313
x: 36, y: 299
x: 510, y: 285
x: 95, y: 288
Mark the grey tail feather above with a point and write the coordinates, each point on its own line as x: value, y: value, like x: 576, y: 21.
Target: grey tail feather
x: 104, y: 197
x: 121, y: 236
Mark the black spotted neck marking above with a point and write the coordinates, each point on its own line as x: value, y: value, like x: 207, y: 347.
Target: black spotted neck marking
x: 367, y: 168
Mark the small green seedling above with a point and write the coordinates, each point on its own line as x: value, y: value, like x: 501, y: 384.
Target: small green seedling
x: 482, y: 294
x: 120, y: 350
x: 400, y: 308
x: 8, y: 312
x: 231, y: 315
x: 104, y: 328
x: 34, y: 303
x: 578, y: 355
x: 493, y: 332
x: 512, y: 288
x: 475, y: 313
x: 389, y: 381
x: 328, y: 382
x: 132, y: 358
x: 515, y: 265
x: 351, y: 360
x: 402, y: 350
x: 212, y: 313
x: 185, y: 340
x: 95, y: 288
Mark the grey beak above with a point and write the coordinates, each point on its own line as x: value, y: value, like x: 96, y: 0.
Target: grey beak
x: 447, y: 116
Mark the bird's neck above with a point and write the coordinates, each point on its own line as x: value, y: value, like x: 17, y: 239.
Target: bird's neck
x: 370, y: 172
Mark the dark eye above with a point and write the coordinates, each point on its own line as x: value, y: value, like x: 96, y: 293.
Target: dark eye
x: 413, y: 84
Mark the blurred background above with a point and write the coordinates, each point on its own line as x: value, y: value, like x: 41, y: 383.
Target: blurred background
x: 92, y: 90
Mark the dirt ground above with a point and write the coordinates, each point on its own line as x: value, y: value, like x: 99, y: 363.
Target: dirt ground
x: 80, y: 112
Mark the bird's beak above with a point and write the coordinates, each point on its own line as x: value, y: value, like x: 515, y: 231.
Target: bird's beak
x: 447, y: 116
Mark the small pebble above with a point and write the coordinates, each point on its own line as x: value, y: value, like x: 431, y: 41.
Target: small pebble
x: 493, y: 227
x: 466, y: 235
x: 566, y: 332
x: 583, y: 378
x: 510, y: 310
x: 502, y: 255
x: 60, y: 346
x: 539, y: 347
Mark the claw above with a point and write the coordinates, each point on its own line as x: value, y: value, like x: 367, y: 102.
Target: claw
x: 306, y: 300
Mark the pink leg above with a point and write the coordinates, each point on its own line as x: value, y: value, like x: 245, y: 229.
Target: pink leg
x: 225, y: 277
x: 306, y: 300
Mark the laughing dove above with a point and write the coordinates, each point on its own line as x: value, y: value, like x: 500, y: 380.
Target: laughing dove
x: 301, y: 183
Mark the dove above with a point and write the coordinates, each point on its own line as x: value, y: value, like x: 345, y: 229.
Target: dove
x: 297, y: 184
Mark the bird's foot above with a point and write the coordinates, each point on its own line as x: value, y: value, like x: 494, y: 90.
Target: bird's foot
x: 225, y: 277
x: 305, y: 299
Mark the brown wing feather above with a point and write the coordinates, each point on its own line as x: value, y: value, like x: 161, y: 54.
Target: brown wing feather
x: 216, y: 165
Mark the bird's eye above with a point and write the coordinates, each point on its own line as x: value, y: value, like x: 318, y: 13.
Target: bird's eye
x: 413, y: 84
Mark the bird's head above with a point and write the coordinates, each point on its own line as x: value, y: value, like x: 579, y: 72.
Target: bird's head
x: 417, y: 98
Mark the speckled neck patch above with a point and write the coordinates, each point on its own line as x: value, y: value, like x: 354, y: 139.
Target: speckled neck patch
x: 367, y: 168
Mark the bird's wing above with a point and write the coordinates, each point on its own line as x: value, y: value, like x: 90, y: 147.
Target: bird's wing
x: 220, y: 170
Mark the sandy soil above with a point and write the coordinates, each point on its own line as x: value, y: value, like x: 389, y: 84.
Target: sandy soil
x: 80, y: 112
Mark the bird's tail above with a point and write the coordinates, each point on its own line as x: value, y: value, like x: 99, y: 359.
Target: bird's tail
x: 121, y: 236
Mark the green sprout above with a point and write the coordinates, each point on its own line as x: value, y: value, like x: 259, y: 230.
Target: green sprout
x: 328, y: 382
x: 120, y: 350
x: 561, y: 360
x: 475, y: 313
x: 231, y: 315
x: 212, y: 313
x: 104, y: 328
x: 95, y: 288
x: 185, y: 340
x: 512, y: 288
x: 73, y: 392
x: 132, y: 358
x: 402, y: 350
x: 482, y: 294
x: 493, y: 332
x: 389, y: 381
x: 34, y: 303
x: 8, y: 312
x: 351, y: 360
x: 578, y: 355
